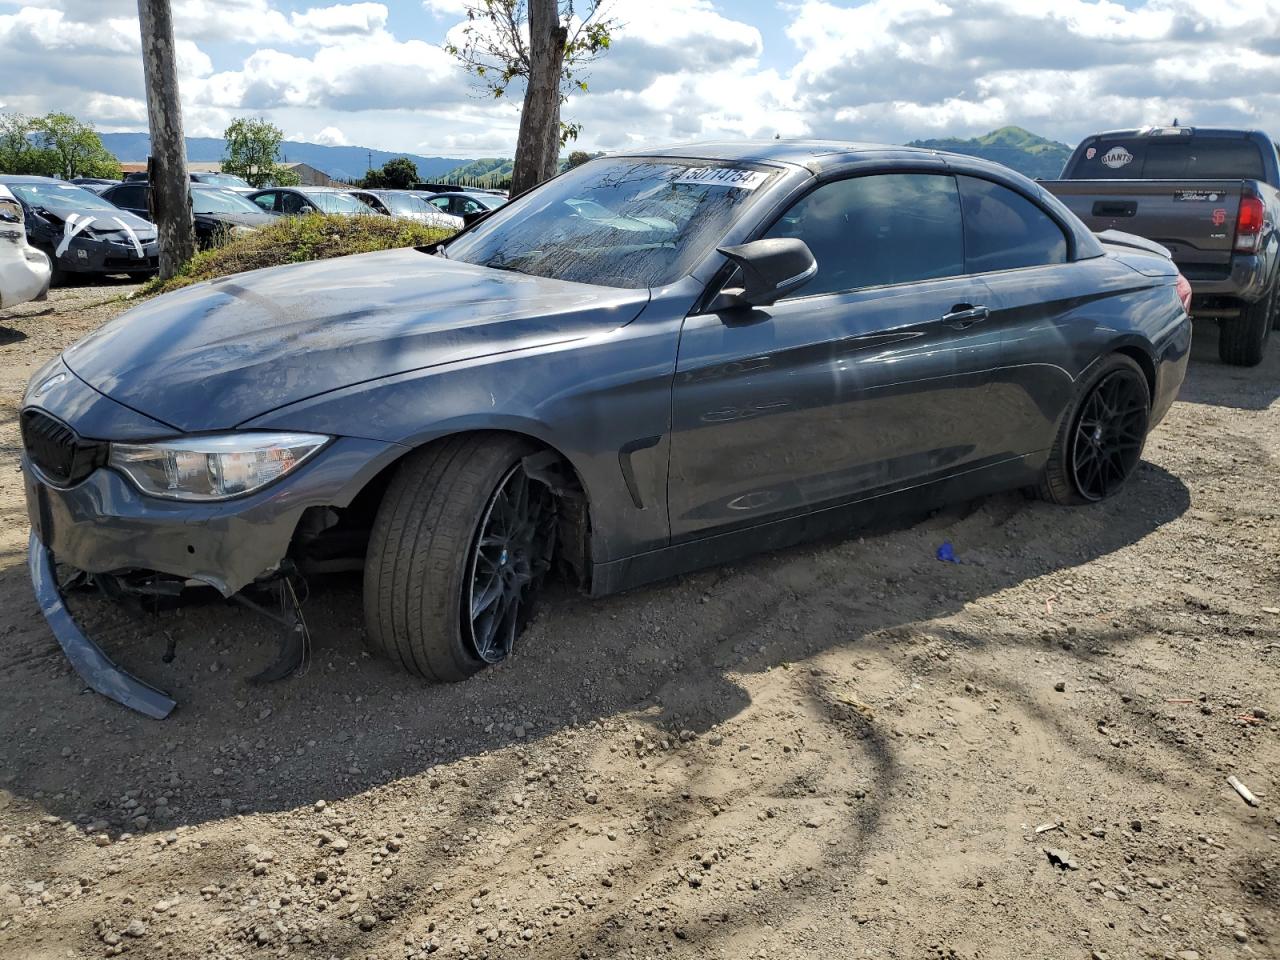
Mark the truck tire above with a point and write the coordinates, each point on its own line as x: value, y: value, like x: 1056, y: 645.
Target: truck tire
x: 460, y: 523
x: 1099, y: 443
x: 1242, y: 340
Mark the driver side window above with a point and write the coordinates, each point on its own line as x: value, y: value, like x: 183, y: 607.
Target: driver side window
x: 878, y: 230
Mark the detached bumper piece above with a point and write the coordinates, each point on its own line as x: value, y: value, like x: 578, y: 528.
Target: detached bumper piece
x: 94, y: 666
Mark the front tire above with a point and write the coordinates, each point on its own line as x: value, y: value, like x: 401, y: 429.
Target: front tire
x: 1099, y: 443
x: 460, y: 545
x: 1242, y: 340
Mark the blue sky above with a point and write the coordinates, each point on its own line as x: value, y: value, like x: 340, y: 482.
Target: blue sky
x: 372, y: 73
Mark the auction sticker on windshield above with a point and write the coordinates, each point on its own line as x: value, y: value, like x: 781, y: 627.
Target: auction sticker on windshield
x: 723, y: 177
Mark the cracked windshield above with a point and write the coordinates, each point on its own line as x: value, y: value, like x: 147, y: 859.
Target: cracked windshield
x: 619, y: 224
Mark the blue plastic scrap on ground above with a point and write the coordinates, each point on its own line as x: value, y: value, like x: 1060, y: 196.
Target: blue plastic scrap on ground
x: 947, y: 553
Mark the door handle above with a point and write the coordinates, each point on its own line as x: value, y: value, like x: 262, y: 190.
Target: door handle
x: 964, y: 315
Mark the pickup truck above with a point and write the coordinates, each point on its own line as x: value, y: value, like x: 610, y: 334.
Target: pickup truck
x: 1212, y: 198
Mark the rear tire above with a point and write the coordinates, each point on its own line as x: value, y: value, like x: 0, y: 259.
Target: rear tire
x: 1099, y: 443
x: 1242, y: 340
x: 426, y: 556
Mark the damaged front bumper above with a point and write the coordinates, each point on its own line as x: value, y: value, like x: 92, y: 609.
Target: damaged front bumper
x: 90, y: 255
x: 89, y: 252
x: 104, y: 525
x: 94, y: 666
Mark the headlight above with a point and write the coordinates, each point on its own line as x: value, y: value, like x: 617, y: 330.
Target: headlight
x: 242, y: 230
x: 213, y: 467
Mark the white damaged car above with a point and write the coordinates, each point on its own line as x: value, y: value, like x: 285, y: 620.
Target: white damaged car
x: 24, y: 271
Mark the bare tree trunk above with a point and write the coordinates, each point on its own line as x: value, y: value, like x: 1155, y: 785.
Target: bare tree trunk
x: 540, y: 118
x: 169, y: 179
x: 551, y: 148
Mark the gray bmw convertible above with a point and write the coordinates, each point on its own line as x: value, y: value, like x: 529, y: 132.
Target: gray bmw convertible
x: 650, y: 364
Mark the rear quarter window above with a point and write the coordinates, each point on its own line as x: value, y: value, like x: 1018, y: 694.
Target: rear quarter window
x: 1003, y: 230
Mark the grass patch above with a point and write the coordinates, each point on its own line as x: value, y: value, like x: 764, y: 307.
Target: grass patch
x: 316, y: 236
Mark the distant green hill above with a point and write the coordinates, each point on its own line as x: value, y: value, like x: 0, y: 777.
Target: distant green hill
x: 1024, y: 151
x: 486, y: 172
x: 341, y: 163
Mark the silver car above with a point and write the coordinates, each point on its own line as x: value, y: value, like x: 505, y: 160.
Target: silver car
x: 409, y: 206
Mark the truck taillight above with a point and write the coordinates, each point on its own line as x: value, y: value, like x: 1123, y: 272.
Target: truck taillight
x: 1249, y: 224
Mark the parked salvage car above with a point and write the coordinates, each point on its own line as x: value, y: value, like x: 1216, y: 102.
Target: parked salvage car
x: 649, y: 364
x: 24, y: 270
x: 1212, y: 198
x: 216, y: 213
x: 96, y: 184
x: 227, y: 181
x: 292, y: 201
x: 468, y: 205
x: 402, y: 203
x: 82, y: 233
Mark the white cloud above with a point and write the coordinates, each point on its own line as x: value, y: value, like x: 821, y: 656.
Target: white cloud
x: 886, y: 70
x: 330, y: 136
x: 339, y: 22
x: 378, y: 72
x: 898, y: 69
x: 446, y: 8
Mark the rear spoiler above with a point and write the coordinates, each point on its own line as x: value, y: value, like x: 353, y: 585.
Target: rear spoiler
x: 1118, y: 238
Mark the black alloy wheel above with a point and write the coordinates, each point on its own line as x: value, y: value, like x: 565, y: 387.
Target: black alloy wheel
x: 510, y: 556
x: 1109, y: 433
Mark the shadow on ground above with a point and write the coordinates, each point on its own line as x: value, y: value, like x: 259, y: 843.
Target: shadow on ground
x: 354, y: 723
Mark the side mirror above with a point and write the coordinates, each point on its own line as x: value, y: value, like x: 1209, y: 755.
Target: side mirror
x: 771, y: 269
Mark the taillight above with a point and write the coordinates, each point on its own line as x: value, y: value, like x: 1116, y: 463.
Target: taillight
x: 1183, y: 286
x: 1249, y: 224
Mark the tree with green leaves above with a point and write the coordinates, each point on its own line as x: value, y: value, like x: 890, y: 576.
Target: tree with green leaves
x: 76, y: 146
x: 253, y: 153
x: 55, y: 145
x: 545, y: 45
x: 19, y: 152
x: 399, y: 173
x: 578, y: 157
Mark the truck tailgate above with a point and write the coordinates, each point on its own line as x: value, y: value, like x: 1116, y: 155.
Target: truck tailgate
x: 1194, y: 219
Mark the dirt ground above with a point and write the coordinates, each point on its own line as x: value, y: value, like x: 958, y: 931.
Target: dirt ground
x: 845, y: 750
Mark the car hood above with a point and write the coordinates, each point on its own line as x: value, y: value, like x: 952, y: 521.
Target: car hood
x: 217, y: 354
x: 104, y: 220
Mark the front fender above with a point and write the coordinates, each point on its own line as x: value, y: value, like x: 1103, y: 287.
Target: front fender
x: 603, y: 402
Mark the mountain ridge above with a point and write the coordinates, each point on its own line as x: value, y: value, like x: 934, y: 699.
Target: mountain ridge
x: 339, y: 162
x: 1015, y: 147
